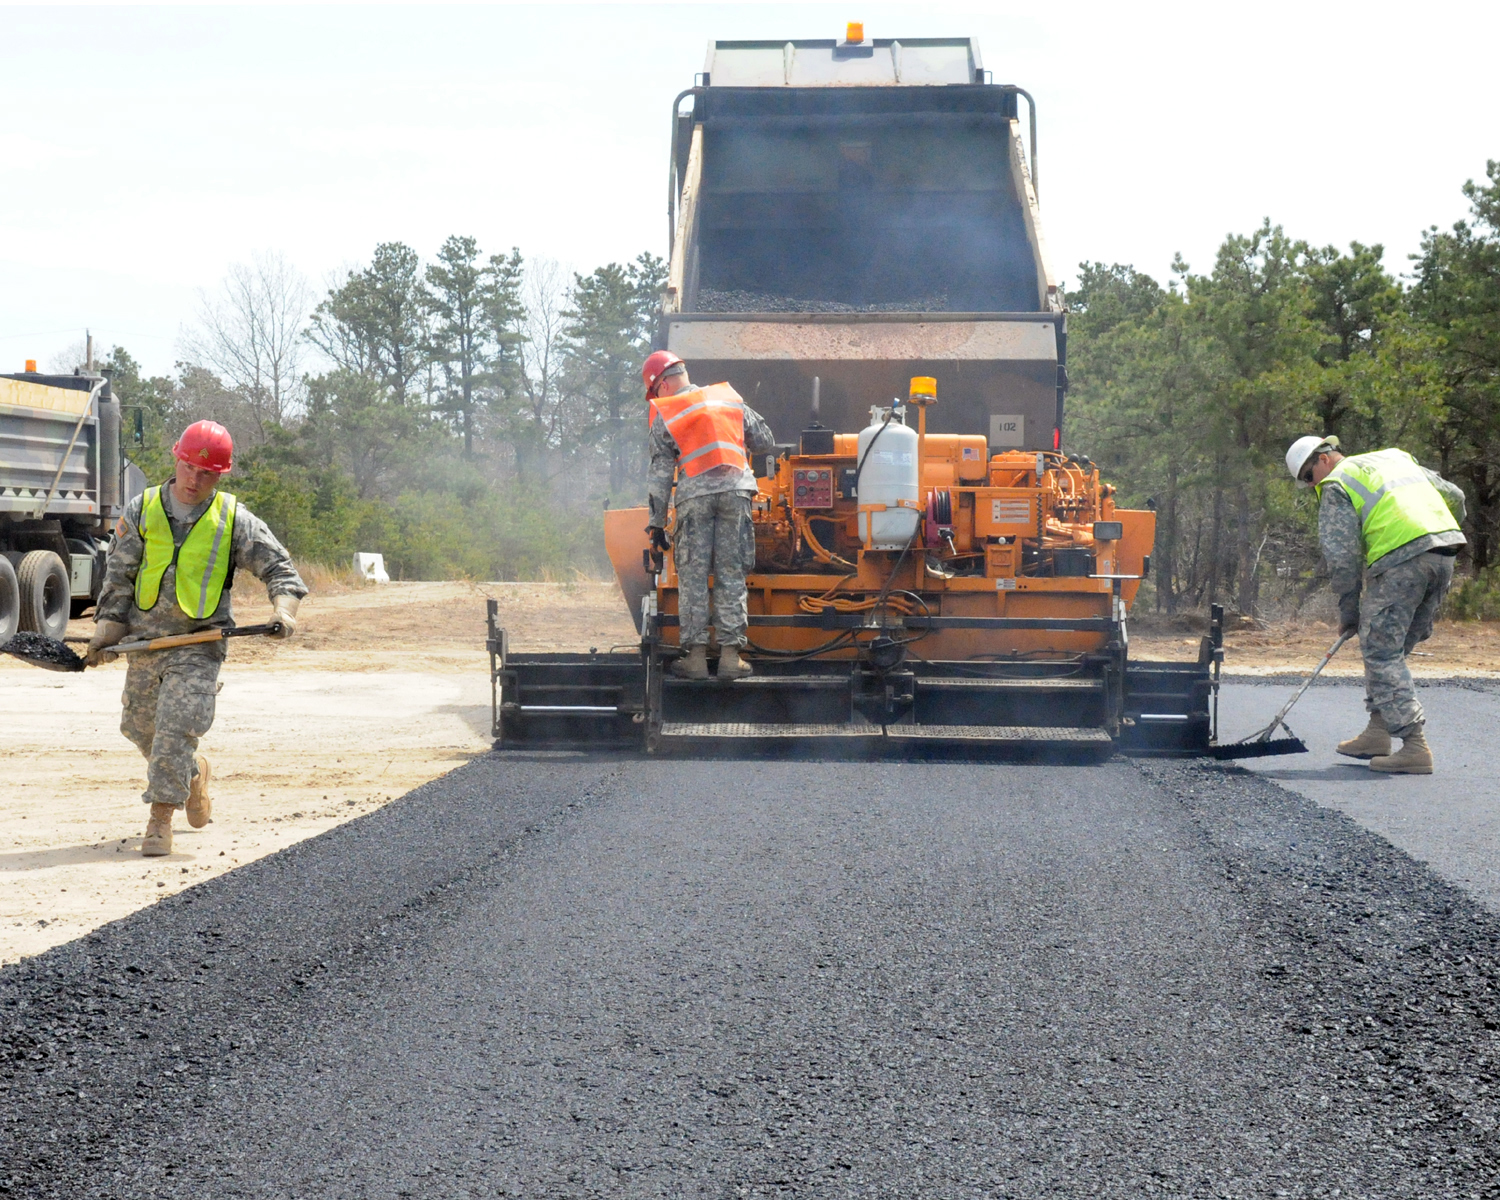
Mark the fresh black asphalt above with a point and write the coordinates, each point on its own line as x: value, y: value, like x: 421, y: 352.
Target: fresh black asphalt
x: 573, y: 977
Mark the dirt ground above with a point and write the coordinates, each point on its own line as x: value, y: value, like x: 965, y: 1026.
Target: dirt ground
x: 383, y: 689
x: 1455, y: 648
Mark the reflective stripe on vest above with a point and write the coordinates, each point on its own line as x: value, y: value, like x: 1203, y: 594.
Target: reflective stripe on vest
x: 202, y: 560
x: 708, y: 425
x: 1395, y: 501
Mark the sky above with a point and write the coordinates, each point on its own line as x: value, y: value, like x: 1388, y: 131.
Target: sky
x: 143, y: 151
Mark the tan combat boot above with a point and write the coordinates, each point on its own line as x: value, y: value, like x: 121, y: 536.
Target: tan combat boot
x: 158, y: 839
x: 200, y: 805
x: 731, y: 666
x: 1373, y: 742
x: 1414, y: 757
x: 694, y: 665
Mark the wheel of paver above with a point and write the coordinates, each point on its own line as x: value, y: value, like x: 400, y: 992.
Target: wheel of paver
x: 10, y: 600
x: 45, y: 598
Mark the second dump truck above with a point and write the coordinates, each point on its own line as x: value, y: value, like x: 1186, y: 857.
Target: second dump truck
x: 63, y: 483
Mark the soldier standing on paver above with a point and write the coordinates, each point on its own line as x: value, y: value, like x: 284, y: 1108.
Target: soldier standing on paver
x: 703, y: 438
x: 1384, y: 516
x: 170, y: 571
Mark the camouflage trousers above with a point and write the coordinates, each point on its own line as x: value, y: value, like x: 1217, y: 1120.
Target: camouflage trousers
x: 169, y: 704
x: 713, y: 533
x: 1396, y: 612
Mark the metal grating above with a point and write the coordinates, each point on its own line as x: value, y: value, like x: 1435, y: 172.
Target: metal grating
x: 998, y: 733
x: 765, y: 730
x: 1018, y: 685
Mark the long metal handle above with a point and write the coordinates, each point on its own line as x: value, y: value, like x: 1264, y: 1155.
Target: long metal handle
x: 1276, y: 721
x: 72, y: 441
x: 672, y: 195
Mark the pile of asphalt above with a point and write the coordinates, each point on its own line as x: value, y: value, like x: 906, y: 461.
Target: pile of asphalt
x: 711, y: 300
x: 564, y: 977
x: 42, y: 651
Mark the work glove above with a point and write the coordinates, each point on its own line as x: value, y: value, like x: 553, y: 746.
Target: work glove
x: 659, y: 541
x: 286, y: 613
x: 106, y: 633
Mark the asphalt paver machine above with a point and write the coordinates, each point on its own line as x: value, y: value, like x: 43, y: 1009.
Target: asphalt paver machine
x: 857, y: 249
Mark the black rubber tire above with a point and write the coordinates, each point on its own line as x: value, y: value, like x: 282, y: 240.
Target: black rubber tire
x: 10, y: 600
x: 45, y: 593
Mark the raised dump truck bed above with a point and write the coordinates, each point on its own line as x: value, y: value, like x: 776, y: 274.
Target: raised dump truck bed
x: 862, y: 214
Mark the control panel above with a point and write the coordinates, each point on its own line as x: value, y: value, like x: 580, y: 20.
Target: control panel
x: 812, y: 487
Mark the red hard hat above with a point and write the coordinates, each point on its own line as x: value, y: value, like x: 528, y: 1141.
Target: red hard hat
x: 206, y: 444
x: 654, y: 366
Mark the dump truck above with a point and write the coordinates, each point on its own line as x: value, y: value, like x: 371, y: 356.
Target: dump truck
x: 857, y: 250
x: 63, y: 483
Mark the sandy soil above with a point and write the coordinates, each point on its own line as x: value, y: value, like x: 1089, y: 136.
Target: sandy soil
x: 1455, y: 648
x: 383, y: 689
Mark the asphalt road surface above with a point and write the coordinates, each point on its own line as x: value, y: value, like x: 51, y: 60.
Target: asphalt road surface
x: 574, y: 977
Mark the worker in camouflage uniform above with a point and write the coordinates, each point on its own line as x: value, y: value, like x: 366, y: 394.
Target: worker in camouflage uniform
x: 170, y: 571
x: 1390, y: 527
x: 702, y: 439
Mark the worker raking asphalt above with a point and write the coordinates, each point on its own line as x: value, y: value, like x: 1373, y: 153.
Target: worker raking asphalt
x: 582, y: 977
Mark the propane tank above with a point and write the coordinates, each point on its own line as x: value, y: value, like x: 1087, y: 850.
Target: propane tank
x: 887, y: 452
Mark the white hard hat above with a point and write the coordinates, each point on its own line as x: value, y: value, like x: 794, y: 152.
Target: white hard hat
x: 1303, y: 449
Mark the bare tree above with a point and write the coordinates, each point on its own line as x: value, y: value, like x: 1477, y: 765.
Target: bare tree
x: 69, y: 359
x: 250, y: 335
x: 537, y: 420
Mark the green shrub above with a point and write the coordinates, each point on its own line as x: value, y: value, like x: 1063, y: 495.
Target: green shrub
x: 1477, y: 599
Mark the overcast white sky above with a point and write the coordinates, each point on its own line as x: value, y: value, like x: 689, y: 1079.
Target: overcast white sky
x: 144, y: 150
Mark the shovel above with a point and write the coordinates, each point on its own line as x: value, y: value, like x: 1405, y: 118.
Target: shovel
x: 53, y: 655
x: 1262, y: 744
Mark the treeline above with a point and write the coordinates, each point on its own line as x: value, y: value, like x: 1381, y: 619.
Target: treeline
x: 1189, y: 394
x: 468, y: 417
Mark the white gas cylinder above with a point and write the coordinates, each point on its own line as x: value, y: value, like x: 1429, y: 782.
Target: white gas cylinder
x: 888, y: 452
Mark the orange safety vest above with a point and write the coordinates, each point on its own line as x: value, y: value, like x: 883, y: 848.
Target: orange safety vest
x: 708, y: 425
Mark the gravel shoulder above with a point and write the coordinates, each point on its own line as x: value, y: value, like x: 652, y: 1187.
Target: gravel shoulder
x: 553, y: 976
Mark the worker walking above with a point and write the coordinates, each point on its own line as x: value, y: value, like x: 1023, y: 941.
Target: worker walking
x: 702, y: 439
x: 1386, y: 517
x: 170, y: 571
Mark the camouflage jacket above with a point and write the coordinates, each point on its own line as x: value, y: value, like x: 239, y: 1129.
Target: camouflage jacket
x: 758, y: 440
x: 1344, y: 548
x: 255, y: 550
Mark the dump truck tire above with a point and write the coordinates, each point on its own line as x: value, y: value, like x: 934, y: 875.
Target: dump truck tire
x: 10, y: 600
x: 45, y: 594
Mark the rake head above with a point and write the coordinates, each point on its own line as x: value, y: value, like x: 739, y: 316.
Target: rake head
x: 1286, y: 745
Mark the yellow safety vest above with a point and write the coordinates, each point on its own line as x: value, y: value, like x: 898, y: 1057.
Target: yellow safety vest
x: 1394, y: 500
x: 203, y: 560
